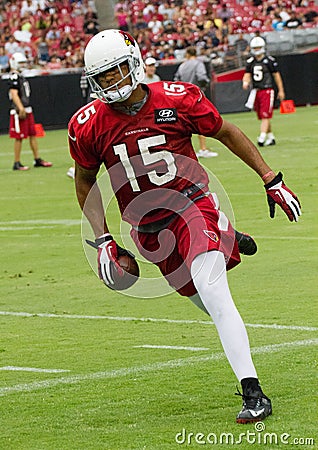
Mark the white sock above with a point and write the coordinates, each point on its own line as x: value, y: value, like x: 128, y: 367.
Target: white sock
x: 262, y: 137
x: 270, y: 136
x: 208, y: 272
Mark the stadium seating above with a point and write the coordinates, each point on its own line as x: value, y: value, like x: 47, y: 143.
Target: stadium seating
x: 190, y: 24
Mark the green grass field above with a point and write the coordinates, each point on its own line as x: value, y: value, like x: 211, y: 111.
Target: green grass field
x: 102, y: 388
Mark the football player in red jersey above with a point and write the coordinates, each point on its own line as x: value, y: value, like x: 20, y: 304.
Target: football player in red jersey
x: 262, y: 73
x: 142, y: 134
x: 21, y: 115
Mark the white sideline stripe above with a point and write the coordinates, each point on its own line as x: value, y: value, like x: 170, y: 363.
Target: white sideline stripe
x: 19, y: 225
x: 35, y: 227
x: 192, y: 360
x: 173, y: 347
x: 43, y: 150
x: 152, y: 319
x: 66, y: 222
x: 259, y: 193
x: 287, y: 238
x: 32, y: 369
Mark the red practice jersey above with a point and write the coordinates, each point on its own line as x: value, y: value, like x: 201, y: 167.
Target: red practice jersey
x: 149, y: 155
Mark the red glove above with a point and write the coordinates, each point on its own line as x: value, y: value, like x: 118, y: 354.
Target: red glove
x: 106, y: 258
x: 278, y: 192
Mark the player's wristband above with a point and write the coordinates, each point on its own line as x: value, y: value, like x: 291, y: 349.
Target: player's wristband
x: 277, y: 179
x: 267, y: 175
x: 104, y: 238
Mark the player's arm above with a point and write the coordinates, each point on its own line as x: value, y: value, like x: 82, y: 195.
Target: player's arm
x: 14, y: 95
x: 280, y: 86
x: 246, y: 81
x: 90, y: 199
x: 277, y: 192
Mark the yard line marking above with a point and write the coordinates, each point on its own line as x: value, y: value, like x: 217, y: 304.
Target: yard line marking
x: 44, y: 150
x: 154, y: 367
x: 173, y: 347
x: 35, y: 227
x: 19, y: 225
x: 274, y: 326
x: 32, y: 369
x: 287, y: 238
x: 66, y: 222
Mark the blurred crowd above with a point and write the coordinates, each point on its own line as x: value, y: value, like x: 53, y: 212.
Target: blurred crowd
x: 53, y: 34
x: 164, y: 29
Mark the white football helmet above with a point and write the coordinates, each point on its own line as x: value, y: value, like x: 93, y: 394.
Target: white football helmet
x: 18, y: 61
x: 109, y: 49
x: 257, y: 46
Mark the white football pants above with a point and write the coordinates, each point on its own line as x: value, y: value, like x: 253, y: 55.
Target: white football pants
x: 208, y: 272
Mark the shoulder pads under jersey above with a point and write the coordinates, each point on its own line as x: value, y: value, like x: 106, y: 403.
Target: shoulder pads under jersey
x: 14, y: 76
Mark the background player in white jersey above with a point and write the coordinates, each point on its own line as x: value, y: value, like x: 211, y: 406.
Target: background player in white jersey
x: 21, y: 114
x: 262, y: 73
x: 142, y: 134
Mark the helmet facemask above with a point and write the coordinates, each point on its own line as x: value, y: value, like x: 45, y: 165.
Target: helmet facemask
x: 257, y: 51
x: 114, y: 93
x: 257, y: 45
x: 111, y: 50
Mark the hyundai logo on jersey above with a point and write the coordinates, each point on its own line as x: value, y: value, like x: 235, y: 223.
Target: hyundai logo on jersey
x: 166, y: 115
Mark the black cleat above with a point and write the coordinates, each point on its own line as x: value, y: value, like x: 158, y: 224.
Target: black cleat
x: 270, y: 142
x: 247, y: 245
x: 39, y: 162
x: 260, y: 143
x: 18, y: 166
x: 256, y: 406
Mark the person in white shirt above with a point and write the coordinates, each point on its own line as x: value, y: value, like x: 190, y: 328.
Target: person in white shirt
x: 150, y: 71
x: 193, y: 70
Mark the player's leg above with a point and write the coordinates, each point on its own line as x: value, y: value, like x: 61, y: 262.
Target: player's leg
x: 204, y: 152
x: 34, y: 146
x: 270, y: 135
x: 208, y: 272
x: 266, y: 113
x: 38, y: 162
x: 204, y: 236
x: 258, y: 109
x: 17, y: 155
x: 263, y: 132
x: 17, y: 149
x: 16, y: 132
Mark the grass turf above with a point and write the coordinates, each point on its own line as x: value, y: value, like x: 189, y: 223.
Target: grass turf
x: 115, y: 394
